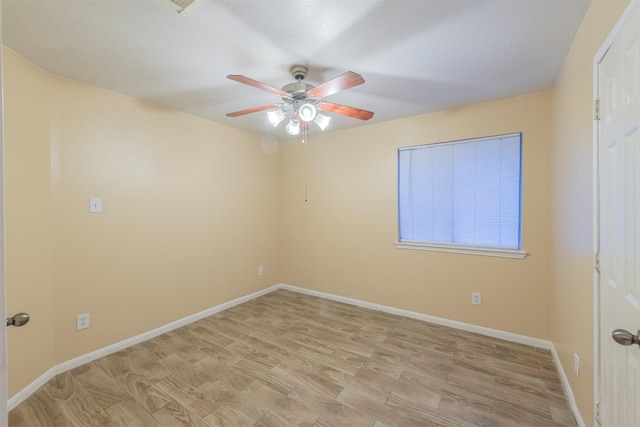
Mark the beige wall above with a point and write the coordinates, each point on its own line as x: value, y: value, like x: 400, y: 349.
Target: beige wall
x: 28, y: 219
x: 342, y: 240
x: 190, y: 211
x: 572, y: 291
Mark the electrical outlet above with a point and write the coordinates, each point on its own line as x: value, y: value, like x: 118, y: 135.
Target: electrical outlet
x: 82, y: 321
x: 476, y: 298
x: 576, y: 364
x: 260, y: 271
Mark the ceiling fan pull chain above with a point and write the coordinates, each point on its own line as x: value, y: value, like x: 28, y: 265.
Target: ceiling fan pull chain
x: 304, y: 141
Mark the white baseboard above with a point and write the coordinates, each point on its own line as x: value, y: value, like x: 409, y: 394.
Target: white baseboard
x: 86, y: 358
x: 567, y: 388
x: 508, y: 336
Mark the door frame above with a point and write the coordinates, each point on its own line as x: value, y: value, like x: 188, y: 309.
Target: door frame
x: 3, y: 307
x: 597, y: 59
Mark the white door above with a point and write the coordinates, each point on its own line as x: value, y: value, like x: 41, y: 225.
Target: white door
x: 3, y: 342
x: 619, y: 229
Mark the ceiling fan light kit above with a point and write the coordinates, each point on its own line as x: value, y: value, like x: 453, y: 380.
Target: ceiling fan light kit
x: 293, y: 127
x: 322, y: 121
x: 276, y: 116
x: 302, y: 100
x: 307, y: 112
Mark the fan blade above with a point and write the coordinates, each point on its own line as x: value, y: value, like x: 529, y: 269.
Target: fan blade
x: 345, y: 110
x: 259, y: 85
x: 254, y: 110
x: 343, y: 81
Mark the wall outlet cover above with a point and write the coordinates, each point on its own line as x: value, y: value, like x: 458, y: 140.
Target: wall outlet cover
x: 476, y: 298
x: 82, y: 321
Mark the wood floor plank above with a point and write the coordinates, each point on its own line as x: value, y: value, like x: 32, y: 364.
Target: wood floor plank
x: 271, y: 419
x: 290, y: 359
x: 201, y: 332
x: 309, y: 379
x: 143, y: 392
x: 264, y: 374
x: 369, y: 404
x: 523, y: 414
x: 78, y: 406
x: 190, y: 371
x: 194, y: 400
x: 38, y: 410
x: 562, y: 416
x: 173, y: 414
x: 104, y: 389
x: 129, y: 413
x: 236, y: 408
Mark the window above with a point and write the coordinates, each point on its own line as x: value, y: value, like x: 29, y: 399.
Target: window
x: 462, y: 196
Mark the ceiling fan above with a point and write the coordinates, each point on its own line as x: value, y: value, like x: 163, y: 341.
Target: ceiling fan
x: 302, y: 101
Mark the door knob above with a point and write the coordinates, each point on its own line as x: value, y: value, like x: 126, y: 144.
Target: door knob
x: 624, y: 337
x: 18, y: 320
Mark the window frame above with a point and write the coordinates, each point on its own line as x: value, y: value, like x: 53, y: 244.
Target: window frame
x: 518, y: 253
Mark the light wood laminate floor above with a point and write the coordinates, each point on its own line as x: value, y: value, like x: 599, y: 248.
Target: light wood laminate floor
x: 289, y: 359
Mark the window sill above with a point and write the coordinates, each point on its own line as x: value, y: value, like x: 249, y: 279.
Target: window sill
x: 503, y: 253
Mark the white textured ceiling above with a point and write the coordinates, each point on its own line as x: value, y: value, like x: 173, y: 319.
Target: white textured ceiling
x: 416, y: 56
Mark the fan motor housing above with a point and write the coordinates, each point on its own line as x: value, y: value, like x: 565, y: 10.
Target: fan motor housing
x: 297, y: 90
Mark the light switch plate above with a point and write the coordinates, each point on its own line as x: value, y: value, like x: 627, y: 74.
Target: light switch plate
x: 95, y: 205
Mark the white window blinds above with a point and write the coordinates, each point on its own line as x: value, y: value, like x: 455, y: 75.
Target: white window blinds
x: 464, y: 193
